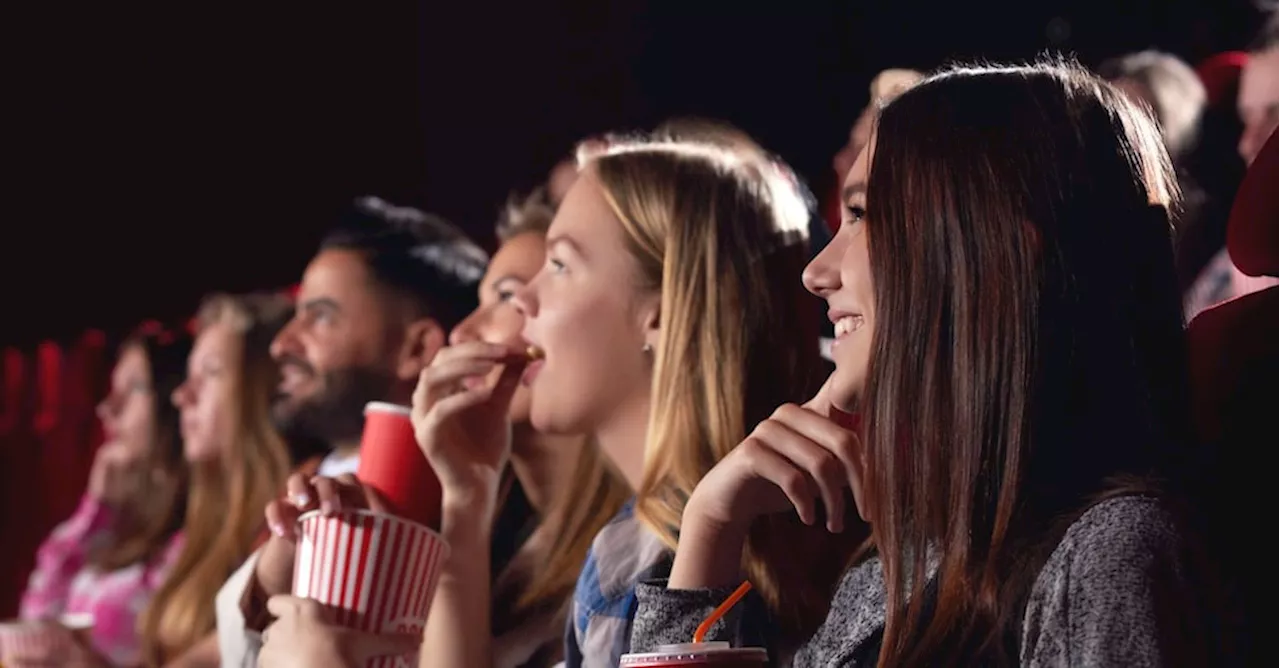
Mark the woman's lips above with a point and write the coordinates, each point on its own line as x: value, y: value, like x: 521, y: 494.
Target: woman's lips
x: 531, y: 371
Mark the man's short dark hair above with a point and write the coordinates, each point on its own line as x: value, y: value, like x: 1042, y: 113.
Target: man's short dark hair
x: 415, y: 253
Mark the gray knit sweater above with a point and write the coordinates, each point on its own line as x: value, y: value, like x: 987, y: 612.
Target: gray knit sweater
x: 1115, y: 592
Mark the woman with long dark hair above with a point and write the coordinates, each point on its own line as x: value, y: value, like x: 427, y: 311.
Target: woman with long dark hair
x: 1008, y: 329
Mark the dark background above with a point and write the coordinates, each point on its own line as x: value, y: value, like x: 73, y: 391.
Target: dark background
x: 163, y: 151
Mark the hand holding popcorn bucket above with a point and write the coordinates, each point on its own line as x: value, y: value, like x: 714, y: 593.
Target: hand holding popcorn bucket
x: 375, y: 571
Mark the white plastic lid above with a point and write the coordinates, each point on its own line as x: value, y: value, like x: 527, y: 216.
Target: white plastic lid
x: 693, y: 654
x: 384, y: 407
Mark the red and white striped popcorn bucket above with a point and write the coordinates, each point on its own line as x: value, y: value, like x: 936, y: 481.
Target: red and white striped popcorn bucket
x: 373, y: 571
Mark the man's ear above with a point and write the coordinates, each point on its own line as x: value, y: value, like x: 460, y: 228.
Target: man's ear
x: 423, y: 338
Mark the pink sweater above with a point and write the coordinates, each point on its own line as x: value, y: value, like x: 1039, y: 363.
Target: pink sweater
x: 63, y: 583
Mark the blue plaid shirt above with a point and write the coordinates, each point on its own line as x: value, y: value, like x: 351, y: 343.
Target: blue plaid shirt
x: 604, y: 603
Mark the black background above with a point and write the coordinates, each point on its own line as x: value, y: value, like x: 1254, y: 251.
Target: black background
x: 163, y: 151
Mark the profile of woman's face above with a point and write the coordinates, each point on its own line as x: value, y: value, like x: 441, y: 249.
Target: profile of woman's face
x: 205, y: 400
x: 497, y: 320
x: 128, y: 413
x: 584, y: 309
x: 841, y: 275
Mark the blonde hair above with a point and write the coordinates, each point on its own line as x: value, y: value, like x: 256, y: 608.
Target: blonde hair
x: 722, y: 235
x: 1177, y: 96
x: 531, y: 213
x: 576, y: 515
x: 224, y: 513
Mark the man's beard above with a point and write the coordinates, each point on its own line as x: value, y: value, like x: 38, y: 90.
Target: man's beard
x: 336, y: 413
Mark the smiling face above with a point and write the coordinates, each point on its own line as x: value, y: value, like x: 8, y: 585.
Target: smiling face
x: 497, y: 320
x: 841, y: 274
x: 338, y: 352
x: 588, y: 313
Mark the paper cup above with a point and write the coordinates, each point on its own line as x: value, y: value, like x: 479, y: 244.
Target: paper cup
x: 29, y: 638
x: 392, y: 464
x: 718, y: 654
x: 372, y: 571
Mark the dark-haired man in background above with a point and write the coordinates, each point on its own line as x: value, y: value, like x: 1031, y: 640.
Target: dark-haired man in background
x: 374, y: 306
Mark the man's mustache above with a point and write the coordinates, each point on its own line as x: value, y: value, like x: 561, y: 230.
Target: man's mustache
x: 297, y: 363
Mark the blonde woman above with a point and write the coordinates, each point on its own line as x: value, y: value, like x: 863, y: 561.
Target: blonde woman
x: 239, y: 462
x: 564, y: 478
x: 667, y: 329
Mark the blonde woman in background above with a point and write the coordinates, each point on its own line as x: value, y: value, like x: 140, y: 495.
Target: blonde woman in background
x: 1168, y: 87
x: 567, y: 482
x: 886, y: 85
x: 239, y: 462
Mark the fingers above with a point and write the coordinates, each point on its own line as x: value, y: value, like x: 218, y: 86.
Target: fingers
x: 472, y: 350
x: 339, y: 494
x: 363, y: 647
x: 820, y: 465
x: 499, y: 394
x: 282, y: 606
x: 282, y: 514
x: 821, y: 402
x: 767, y: 463
x: 461, y: 401
x: 301, y: 493
x: 366, y: 497
x: 823, y: 431
x: 456, y: 363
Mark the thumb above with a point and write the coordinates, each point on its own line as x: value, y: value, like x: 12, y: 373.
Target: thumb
x: 821, y: 403
x: 363, y: 647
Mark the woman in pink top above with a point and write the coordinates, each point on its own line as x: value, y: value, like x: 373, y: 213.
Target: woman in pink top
x: 115, y: 551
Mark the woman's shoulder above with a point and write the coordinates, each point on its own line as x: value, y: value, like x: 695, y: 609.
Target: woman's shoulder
x: 1114, y: 589
x: 1133, y: 521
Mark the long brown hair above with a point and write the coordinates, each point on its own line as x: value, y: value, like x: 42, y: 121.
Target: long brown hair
x: 1029, y: 350
x: 224, y: 515
x: 723, y: 236
x: 154, y: 510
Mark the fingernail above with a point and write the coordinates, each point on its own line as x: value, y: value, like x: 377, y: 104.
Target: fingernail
x: 276, y: 529
x: 299, y: 500
x: 328, y: 507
